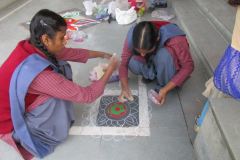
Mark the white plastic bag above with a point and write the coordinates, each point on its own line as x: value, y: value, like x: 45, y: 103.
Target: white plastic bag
x: 111, y: 8
x: 125, y: 17
x: 89, y: 6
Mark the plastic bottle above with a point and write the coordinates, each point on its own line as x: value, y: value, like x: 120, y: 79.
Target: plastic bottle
x: 152, y: 95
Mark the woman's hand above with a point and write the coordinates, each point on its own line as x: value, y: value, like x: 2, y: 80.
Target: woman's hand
x: 98, y: 54
x: 125, y: 96
x: 107, y: 56
x: 113, y: 62
x: 110, y: 68
x: 164, y: 91
x: 162, y: 96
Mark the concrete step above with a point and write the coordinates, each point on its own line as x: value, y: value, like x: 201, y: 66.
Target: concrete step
x: 208, y: 24
x: 220, y: 14
x: 205, y: 38
x: 8, y: 7
x: 218, y: 137
x: 4, y: 3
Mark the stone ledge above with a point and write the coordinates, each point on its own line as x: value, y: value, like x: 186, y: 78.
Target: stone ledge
x: 206, y: 40
x: 220, y: 14
x: 227, y: 114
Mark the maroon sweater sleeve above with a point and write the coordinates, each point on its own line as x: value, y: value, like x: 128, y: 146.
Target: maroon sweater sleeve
x: 49, y: 83
x: 179, y: 48
x: 73, y: 54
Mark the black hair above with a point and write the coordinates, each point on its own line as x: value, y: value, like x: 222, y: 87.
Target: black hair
x: 234, y: 2
x: 145, y: 36
x: 45, y: 22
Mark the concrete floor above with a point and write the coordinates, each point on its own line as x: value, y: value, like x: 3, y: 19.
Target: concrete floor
x: 171, y: 126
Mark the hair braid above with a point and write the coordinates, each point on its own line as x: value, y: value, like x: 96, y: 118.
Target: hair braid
x: 50, y: 56
x: 46, y: 22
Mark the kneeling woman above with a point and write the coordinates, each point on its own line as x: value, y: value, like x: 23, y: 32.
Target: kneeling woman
x: 156, y: 50
x: 36, y: 91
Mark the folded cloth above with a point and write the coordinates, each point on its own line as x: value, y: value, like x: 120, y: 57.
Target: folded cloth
x: 212, y: 91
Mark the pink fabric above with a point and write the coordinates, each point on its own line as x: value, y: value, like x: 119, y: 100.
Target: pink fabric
x: 7, y: 138
x: 179, y: 50
x: 50, y: 84
x: 73, y: 54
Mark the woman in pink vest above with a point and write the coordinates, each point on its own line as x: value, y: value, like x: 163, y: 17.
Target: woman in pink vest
x: 156, y: 50
x: 37, y: 91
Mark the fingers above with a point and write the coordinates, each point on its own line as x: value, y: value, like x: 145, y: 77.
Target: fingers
x: 125, y: 99
x: 107, y: 56
x: 114, y: 58
x: 122, y: 99
x: 114, y: 62
x: 125, y: 96
x: 161, y: 100
x: 128, y: 95
x: 130, y: 98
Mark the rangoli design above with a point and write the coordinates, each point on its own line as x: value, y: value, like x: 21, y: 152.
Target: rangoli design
x: 116, y: 114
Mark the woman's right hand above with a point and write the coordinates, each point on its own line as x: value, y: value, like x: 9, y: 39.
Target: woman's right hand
x: 125, y: 95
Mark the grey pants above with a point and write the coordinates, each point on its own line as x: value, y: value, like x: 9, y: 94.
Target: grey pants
x: 50, y: 122
x: 160, y: 67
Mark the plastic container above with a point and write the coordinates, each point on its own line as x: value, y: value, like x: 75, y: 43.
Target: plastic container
x: 152, y: 95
